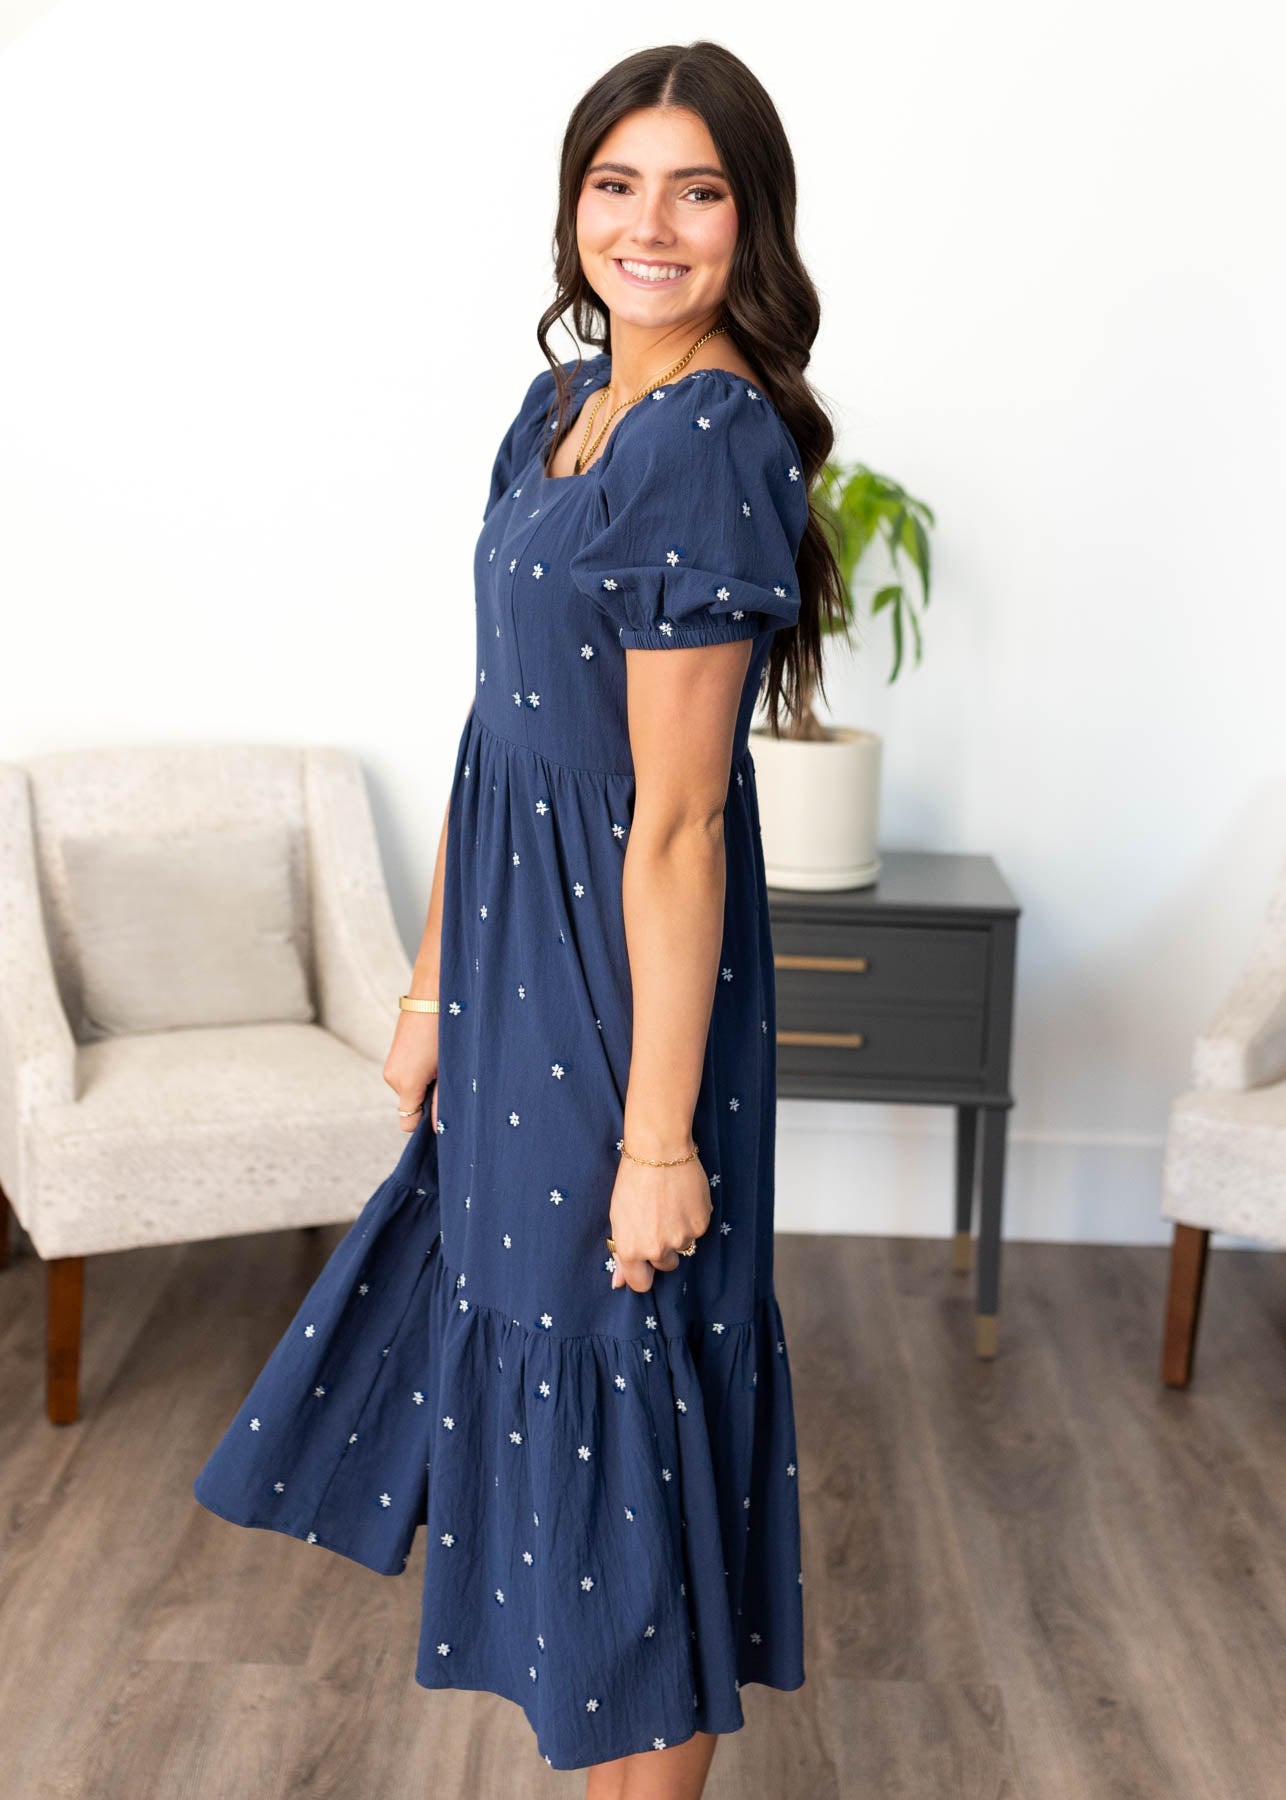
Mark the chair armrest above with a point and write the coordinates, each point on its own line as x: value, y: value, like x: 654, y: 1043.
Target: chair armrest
x: 37, y: 1049
x: 362, y: 964
x: 1244, y: 1043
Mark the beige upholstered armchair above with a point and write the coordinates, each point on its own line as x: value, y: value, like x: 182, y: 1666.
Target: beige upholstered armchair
x: 199, y: 971
x: 1225, y: 1151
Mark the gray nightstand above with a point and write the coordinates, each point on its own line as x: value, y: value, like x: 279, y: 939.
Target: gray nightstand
x: 904, y: 991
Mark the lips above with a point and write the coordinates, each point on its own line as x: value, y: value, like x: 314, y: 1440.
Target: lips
x: 651, y: 280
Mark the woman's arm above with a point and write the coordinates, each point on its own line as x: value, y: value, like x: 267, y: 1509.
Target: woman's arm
x: 412, y: 1061
x: 682, y: 711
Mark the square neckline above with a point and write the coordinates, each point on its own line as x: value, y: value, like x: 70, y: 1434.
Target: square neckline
x: 558, y: 481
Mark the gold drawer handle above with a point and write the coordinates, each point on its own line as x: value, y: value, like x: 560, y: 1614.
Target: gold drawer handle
x: 855, y: 965
x: 839, y: 1040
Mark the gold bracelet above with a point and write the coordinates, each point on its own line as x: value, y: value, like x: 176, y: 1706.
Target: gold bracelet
x: 673, y: 1162
x: 406, y: 1003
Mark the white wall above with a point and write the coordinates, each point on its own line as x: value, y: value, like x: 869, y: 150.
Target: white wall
x: 269, y: 277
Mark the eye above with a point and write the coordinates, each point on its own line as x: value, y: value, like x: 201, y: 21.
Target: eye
x: 609, y: 181
x: 712, y: 192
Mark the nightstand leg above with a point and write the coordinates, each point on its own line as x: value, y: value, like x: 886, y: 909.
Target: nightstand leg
x: 994, y: 1121
x: 966, y: 1165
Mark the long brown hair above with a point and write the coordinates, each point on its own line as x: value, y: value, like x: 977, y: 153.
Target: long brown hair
x: 770, y: 310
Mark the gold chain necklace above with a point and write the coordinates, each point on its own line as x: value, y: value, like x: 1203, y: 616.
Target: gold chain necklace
x: 582, y: 458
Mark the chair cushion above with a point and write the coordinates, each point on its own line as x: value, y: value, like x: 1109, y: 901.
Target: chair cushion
x: 184, y: 1135
x: 187, y: 929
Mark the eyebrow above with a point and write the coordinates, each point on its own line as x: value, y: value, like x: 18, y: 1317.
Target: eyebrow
x: 674, y: 175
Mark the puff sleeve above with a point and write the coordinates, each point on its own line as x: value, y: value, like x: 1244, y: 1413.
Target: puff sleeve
x: 700, y: 511
x: 520, y: 440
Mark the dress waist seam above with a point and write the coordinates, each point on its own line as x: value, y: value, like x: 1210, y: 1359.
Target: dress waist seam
x: 571, y: 768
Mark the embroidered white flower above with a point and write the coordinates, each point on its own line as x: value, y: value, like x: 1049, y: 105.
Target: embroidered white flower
x: 556, y: 1197
x: 658, y: 1743
x: 752, y: 394
x: 725, y: 1228
x: 533, y: 699
x: 537, y: 569
x: 254, y: 1424
x: 619, y: 1382
x: 582, y: 1450
x: 734, y: 1104
x: 278, y: 1487
x: 647, y: 1353
x: 610, y: 584
x: 755, y: 1638
x: 587, y: 650
x: 682, y: 1405
x: 546, y: 1321
x: 464, y: 1305
x: 309, y: 1330
x: 352, y: 1437
x: 531, y: 1670
x: 500, y: 1596
x: 726, y: 974
x: 790, y: 1468
x: 715, y: 1180
x: 618, y: 831
x: 513, y: 1118
x: 578, y: 888
x: 515, y: 1437
x: 516, y: 859
x: 454, y: 1006
x: 443, y: 1649
x: 542, y: 806
x: 665, y: 1474
x: 448, y: 1421
x: 723, y: 593
x: 482, y: 912
x: 738, y: 613
x: 718, y: 1327
x: 319, y: 1390
x: 557, y: 1069
x: 746, y: 1503
x: 587, y: 1582
x: 780, y: 590
x: 544, y: 1390
x: 311, y: 1538
x: 418, y: 1397
x: 793, y: 472
x: 649, y: 1631
x: 673, y: 556
x: 704, y: 423
x: 386, y: 1500
x: 745, y: 509
x: 507, y: 1241
x: 665, y: 628
x: 629, y: 1513
x: 591, y: 1706
x: 527, y: 1556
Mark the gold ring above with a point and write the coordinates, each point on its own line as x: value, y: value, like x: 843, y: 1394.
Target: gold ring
x: 691, y: 1249
x: 411, y: 1114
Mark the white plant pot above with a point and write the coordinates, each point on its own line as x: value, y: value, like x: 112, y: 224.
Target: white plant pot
x: 819, y: 806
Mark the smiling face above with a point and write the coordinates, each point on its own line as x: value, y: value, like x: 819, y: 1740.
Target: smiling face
x: 656, y: 226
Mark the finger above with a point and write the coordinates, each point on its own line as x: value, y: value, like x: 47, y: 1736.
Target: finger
x: 669, y: 1261
x: 635, y: 1274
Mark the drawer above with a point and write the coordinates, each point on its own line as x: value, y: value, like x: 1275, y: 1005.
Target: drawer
x: 933, y: 965
x: 840, y: 1045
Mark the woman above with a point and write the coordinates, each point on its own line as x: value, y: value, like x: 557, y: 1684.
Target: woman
x: 552, y: 1335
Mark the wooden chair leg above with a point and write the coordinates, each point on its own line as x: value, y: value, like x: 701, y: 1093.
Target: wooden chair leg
x: 4, y: 1229
x: 66, y: 1289
x: 1188, y: 1256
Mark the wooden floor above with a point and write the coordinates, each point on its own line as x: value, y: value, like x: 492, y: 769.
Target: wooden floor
x: 1047, y: 1576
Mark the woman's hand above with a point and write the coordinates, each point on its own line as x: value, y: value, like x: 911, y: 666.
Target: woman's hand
x: 412, y: 1063
x: 654, y: 1214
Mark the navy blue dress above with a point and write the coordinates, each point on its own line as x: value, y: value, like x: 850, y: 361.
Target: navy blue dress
x: 607, y: 1479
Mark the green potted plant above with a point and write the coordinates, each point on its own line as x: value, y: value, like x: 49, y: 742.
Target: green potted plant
x: 819, y: 785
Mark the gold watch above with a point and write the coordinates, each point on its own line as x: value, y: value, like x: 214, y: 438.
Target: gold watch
x: 406, y: 1004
